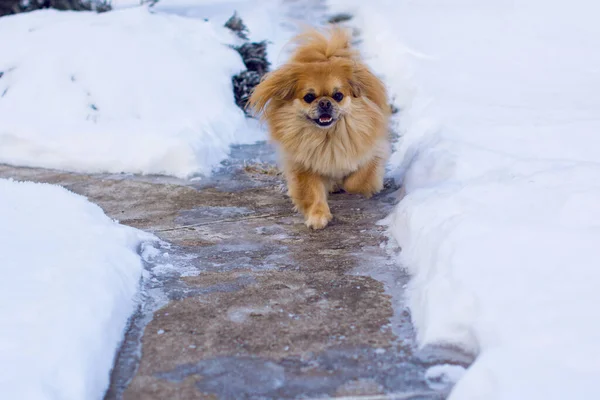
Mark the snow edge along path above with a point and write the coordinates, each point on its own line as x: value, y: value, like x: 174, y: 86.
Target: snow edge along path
x: 70, y: 282
x: 500, y: 223
x: 139, y: 92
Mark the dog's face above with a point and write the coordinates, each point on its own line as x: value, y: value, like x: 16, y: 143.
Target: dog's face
x: 323, y: 98
x: 316, y: 95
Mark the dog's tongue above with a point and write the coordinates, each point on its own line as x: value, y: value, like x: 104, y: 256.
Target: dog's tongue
x: 325, y: 118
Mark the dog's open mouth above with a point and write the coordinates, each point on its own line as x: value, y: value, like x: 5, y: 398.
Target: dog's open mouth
x: 324, y: 120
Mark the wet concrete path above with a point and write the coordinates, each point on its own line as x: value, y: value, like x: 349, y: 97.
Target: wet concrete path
x: 242, y: 301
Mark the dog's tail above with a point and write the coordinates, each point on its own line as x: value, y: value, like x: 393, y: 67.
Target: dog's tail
x: 315, y: 46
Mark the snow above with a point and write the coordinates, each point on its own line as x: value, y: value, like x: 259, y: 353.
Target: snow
x: 264, y: 19
x: 124, y: 91
x: 69, y: 279
x: 440, y: 376
x: 499, y: 156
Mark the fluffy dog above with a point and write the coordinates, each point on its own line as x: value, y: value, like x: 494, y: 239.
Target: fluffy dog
x: 329, y: 114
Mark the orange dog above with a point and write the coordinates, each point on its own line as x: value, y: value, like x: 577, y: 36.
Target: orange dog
x: 329, y: 115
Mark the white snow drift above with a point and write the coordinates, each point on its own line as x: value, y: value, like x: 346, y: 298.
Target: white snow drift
x: 124, y: 91
x: 265, y: 19
x: 500, y: 226
x: 69, y: 277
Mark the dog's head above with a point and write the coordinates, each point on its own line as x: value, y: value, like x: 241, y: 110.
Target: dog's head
x: 322, y: 83
x: 319, y: 94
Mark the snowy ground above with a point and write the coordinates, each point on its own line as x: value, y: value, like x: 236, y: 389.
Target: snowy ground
x: 499, y: 227
x: 501, y: 222
x: 69, y: 278
x: 125, y: 91
x: 265, y: 19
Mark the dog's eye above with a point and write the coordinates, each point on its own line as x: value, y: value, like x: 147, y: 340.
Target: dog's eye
x: 338, y: 97
x: 309, y: 98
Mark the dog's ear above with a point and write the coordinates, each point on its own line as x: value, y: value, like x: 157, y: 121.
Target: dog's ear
x: 364, y: 83
x: 356, y: 88
x: 280, y: 84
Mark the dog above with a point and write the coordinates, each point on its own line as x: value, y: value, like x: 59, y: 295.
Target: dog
x: 329, y: 116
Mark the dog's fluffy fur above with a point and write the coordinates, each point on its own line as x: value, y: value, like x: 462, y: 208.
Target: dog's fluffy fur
x: 329, y: 115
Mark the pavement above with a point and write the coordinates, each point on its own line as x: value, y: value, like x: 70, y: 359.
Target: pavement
x: 241, y: 301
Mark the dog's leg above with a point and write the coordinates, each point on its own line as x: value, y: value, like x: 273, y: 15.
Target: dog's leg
x: 333, y: 186
x: 367, y: 180
x: 309, y: 194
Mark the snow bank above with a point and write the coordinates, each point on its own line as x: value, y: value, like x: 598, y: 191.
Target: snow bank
x: 500, y: 155
x: 123, y: 91
x: 69, y: 276
x: 265, y: 19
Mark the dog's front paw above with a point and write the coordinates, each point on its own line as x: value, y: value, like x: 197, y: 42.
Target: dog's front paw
x: 318, y: 220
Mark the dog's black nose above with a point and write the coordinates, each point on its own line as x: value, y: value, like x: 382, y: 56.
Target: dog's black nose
x: 324, y: 104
